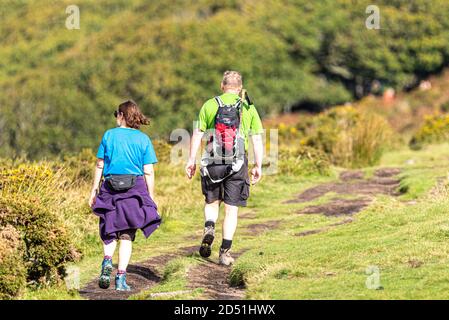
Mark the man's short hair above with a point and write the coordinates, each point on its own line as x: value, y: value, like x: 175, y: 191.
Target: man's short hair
x: 232, y: 79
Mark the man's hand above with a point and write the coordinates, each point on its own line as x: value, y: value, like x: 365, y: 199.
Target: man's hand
x: 256, y: 175
x: 92, y: 198
x: 190, y: 168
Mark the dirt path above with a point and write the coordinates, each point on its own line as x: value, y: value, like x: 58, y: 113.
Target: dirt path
x: 352, y: 183
x: 214, y: 279
x: 140, y: 277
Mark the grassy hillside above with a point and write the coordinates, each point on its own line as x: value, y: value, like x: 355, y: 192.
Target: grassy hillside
x: 350, y: 196
x: 287, y: 255
x: 59, y: 86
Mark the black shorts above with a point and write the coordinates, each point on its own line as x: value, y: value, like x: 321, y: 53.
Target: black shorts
x: 233, y: 191
x: 129, y: 234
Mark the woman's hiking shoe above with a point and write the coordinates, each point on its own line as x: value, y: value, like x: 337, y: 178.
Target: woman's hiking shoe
x: 105, y: 276
x: 120, y: 283
x: 225, y: 257
x: 206, y: 244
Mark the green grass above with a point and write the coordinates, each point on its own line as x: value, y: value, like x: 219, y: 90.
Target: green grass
x: 408, y: 243
x: 406, y: 240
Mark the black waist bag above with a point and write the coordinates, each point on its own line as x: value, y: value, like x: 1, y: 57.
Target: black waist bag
x: 121, y: 182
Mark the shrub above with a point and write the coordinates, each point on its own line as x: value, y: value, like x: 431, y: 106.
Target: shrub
x: 351, y: 138
x: 30, y: 203
x: 24, y: 178
x: 434, y: 129
x: 303, y: 161
x: 12, y: 268
x: 81, y: 165
x: 46, y: 240
x: 162, y: 149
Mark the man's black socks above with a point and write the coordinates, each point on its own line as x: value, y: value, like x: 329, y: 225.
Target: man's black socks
x: 226, y: 244
x: 209, y: 224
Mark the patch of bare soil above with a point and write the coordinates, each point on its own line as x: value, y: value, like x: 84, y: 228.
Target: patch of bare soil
x: 248, y: 215
x: 351, y: 175
x: 140, y: 277
x: 383, y: 182
x: 339, y: 207
x: 315, y: 231
x: 214, y: 279
x: 259, y: 228
x: 351, y: 183
x: 387, y: 172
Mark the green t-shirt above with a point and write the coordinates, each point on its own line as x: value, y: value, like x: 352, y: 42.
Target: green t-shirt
x: 250, y: 122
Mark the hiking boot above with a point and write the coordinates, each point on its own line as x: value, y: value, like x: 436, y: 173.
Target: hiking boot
x: 105, y: 277
x: 206, y: 244
x: 225, y: 257
x: 120, y: 283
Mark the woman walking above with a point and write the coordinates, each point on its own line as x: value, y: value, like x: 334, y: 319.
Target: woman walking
x: 125, y: 201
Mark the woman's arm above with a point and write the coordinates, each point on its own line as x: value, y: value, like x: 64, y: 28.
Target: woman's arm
x: 148, y: 171
x: 97, y: 179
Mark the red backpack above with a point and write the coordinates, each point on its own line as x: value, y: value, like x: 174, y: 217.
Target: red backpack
x: 226, y: 148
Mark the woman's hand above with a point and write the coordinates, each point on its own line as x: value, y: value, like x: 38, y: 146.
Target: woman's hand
x: 92, y: 198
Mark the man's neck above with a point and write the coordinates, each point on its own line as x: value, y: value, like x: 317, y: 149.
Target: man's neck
x: 232, y: 91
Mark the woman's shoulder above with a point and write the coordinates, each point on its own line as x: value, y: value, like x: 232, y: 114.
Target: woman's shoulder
x: 141, y: 136
x: 108, y: 133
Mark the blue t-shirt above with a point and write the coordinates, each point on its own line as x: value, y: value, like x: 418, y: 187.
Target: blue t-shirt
x: 125, y: 151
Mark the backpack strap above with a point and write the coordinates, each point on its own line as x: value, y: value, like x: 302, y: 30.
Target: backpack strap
x: 219, y: 102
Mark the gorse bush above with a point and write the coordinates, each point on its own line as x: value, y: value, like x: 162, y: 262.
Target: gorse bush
x: 434, y: 129
x: 80, y: 165
x: 26, y: 178
x: 47, y: 242
x: 303, y: 161
x: 12, y: 267
x: 30, y: 210
x: 351, y: 138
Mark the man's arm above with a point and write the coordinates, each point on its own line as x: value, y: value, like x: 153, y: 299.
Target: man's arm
x: 256, y: 172
x: 195, y: 144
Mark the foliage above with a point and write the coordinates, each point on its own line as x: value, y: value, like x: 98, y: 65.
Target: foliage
x: 303, y: 161
x: 434, y: 129
x: 352, y: 138
x: 12, y: 268
x: 59, y: 87
x: 162, y: 150
x: 80, y: 165
x: 29, y: 204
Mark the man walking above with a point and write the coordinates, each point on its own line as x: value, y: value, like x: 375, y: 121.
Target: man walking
x: 229, y: 119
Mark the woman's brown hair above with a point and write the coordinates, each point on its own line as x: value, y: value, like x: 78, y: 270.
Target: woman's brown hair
x: 133, y: 116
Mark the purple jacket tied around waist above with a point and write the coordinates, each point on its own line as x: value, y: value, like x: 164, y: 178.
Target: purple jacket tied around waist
x: 131, y: 209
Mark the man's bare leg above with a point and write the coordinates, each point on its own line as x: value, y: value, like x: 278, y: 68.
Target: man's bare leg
x: 230, y: 222
x: 229, y: 227
x: 211, y: 211
x: 210, y: 216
